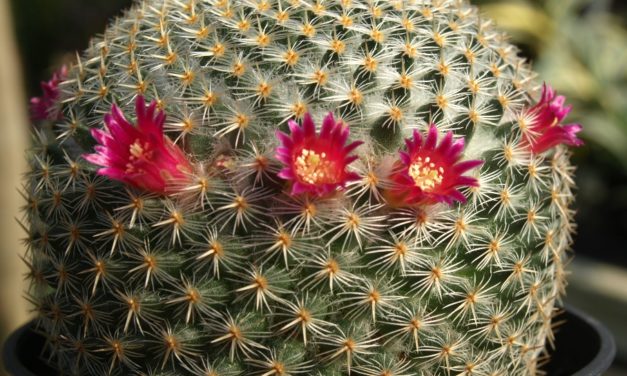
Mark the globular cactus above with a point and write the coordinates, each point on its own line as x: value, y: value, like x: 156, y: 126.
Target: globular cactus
x: 274, y: 187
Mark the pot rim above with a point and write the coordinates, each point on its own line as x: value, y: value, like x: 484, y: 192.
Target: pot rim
x: 10, y: 354
x: 607, y: 345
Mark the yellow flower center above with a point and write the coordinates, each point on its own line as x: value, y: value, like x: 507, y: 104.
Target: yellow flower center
x: 425, y: 174
x: 314, y: 168
x: 140, y: 151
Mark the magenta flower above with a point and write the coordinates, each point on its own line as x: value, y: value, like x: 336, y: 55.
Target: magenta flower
x: 44, y: 107
x: 316, y: 163
x: 428, y: 173
x: 141, y: 155
x: 546, y: 130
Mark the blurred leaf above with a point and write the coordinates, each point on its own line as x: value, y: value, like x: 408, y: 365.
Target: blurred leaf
x: 559, y: 66
x: 602, y: 44
x: 601, y: 128
x: 520, y: 18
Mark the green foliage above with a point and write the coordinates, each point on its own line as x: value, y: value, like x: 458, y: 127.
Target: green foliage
x: 236, y: 277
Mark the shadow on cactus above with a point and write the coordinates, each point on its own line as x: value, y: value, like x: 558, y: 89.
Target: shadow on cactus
x: 285, y: 188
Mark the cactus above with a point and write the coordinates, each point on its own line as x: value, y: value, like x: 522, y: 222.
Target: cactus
x: 273, y: 187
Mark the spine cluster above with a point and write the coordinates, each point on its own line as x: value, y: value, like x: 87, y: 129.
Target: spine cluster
x: 272, y: 187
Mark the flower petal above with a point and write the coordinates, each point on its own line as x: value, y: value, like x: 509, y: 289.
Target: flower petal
x: 546, y: 130
x: 141, y: 155
x: 428, y: 172
x: 316, y: 163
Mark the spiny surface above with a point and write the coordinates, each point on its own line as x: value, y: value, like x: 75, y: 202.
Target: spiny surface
x: 235, y: 276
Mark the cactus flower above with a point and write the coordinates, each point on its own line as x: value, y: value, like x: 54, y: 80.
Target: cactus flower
x: 141, y: 156
x: 428, y: 173
x: 316, y: 163
x: 43, y: 108
x: 546, y: 129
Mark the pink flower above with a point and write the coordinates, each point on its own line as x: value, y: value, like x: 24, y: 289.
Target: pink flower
x: 140, y: 155
x: 428, y: 173
x: 316, y: 163
x: 44, y: 107
x: 546, y: 130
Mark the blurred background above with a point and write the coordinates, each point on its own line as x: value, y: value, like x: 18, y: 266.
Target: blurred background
x: 579, y: 46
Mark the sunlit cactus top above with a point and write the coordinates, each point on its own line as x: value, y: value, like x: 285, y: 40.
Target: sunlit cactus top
x: 273, y: 187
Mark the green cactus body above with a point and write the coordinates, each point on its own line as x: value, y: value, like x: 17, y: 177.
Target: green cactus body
x: 233, y: 275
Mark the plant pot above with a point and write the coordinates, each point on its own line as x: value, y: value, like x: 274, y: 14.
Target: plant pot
x: 584, y: 347
x: 22, y: 353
